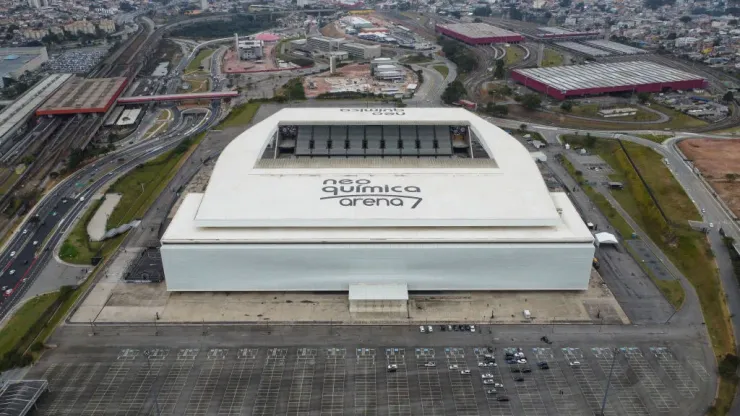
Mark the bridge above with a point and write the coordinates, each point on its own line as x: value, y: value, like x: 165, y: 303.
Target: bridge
x: 178, y: 97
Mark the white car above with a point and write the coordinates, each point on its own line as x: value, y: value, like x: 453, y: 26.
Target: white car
x: 429, y: 329
x: 8, y: 292
x: 421, y: 329
x: 488, y: 381
x: 472, y: 328
x: 12, y: 254
x: 498, y: 385
x: 11, y: 272
x: 575, y: 363
x: 25, y: 232
x: 487, y: 375
x: 711, y: 225
x: 465, y: 372
x: 430, y: 364
x: 453, y: 367
x: 35, y: 242
x: 522, y: 361
x: 392, y: 368
x: 482, y: 364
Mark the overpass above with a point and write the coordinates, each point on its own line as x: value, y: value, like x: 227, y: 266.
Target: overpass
x: 178, y: 97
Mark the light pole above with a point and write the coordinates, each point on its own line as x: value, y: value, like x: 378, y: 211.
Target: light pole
x: 149, y: 364
x: 609, y: 380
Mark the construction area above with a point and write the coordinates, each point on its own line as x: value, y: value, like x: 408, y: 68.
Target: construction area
x: 357, y: 78
x: 718, y: 161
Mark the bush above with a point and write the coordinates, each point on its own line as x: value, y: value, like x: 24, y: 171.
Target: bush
x: 728, y: 366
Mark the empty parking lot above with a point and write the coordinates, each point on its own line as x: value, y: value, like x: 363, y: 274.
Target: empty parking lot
x: 646, y: 380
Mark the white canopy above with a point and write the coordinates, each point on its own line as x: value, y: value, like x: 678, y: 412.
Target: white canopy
x: 605, y: 238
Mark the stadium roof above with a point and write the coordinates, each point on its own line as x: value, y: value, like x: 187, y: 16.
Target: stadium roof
x: 580, y: 77
x: 246, y: 201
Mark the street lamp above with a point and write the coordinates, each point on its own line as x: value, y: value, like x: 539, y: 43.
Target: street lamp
x: 149, y: 364
x: 609, y: 380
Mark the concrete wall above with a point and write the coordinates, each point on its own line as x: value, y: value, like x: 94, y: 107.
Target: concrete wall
x: 330, y: 267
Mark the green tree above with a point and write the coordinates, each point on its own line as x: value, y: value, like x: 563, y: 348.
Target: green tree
x: 567, y: 106
x: 531, y: 101
x: 728, y: 97
x: 643, y: 97
x: 731, y: 177
x: 454, y: 91
x: 482, y: 11
x: 499, y: 71
x: 522, y: 127
x: 685, y: 19
x: 515, y: 14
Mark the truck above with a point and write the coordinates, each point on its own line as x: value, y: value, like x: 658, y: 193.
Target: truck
x: 467, y: 104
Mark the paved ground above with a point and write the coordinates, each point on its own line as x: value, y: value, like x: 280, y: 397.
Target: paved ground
x: 352, y: 379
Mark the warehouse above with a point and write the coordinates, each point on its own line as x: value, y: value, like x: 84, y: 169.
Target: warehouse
x: 324, y: 199
x: 479, y: 33
x: 580, y: 80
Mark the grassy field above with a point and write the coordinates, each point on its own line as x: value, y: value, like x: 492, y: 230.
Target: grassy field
x: 419, y: 58
x: 688, y: 250
x: 442, y: 69
x: 678, y: 120
x: 592, y: 111
x: 194, y: 65
x: 77, y: 247
x: 240, y: 116
x: 657, y: 138
x: 552, y: 58
x: 23, y: 320
x: 514, y: 54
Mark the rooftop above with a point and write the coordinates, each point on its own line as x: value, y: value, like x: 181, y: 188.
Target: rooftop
x: 83, y: 95
x: 381, y: 195
x: 18, y: 398
x: 23, y: 107
x: 578, y: 77
x: 478, y: 30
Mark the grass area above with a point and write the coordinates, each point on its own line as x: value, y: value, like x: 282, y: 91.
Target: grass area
x: 9, y: 181
x: 514, y: 54
x: 678, y: 119
x: 552, y: 58
x: 240, y: 116
x: 418, y: 58
x: 688, y: 250
x: 194, y: 65
x: 657, y: 138
x: 671, y: 289
x: 139, y: 188
x: 442, y: 69
x: 23, y: 320
x: 164, y: 115
x: 592, y: 111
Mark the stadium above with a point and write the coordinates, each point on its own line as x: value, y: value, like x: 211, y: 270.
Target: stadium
x: 580, y: 80
x: 343, y: 199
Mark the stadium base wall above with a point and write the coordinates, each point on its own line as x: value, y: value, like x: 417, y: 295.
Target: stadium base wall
x: 334, y: 267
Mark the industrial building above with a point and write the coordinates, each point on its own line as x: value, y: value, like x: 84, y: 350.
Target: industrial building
x: 340, y: 199
x: 579, y: 80
x: 616, y: 47
x: 16, y: 61
x: 583, y: 49
x: 250, y: 49
x: 15, y: 116
x: 323, y: 43
x: 360, y: 51
x: 84, y: 95
x: 479, y: 33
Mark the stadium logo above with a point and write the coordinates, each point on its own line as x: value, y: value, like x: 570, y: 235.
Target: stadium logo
x: 375, y: 111
x: 362, y: 192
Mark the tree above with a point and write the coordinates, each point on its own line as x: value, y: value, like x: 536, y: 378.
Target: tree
x: 672, y: 36
x: 731, y: 177
x: 499, y: 71
x: 728, y: 97
x: 523, y: 127
x: 454, y: 91
x: 482, y: 11
x: 514, y: 13
x: 565, y: 3
x: 567, y: 106
x: 643, y: 97
x: 580, y: 6
x: 531, y: 101
x: 685, y: 19
x: 590, y: 140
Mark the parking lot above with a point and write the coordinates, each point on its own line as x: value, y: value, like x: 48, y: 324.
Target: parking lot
x: 371, y: 380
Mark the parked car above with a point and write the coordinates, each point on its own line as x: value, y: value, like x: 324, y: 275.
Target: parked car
x: 12, y: 254
x: 429, y: 329
x: 519, y: 379
x: 575, y: 363
x: 488, y: 381
x: 491, y: 391
x: 502, y: 398
x: 392, y: 368
x: 472, y: 328
x: 453, y: 367
x: 421, y: 329
x: 526, y: 370
x: 465, y: 372
x: 430, y: 364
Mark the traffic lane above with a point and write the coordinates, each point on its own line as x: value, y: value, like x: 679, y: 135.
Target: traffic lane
x: 15, y: 270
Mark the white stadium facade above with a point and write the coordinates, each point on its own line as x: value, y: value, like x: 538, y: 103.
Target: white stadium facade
x: 324, y: 199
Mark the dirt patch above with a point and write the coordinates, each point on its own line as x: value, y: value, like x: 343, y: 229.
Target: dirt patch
x: 716, y: 159
x: 354, y: 78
